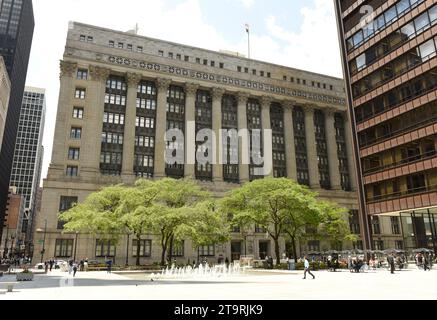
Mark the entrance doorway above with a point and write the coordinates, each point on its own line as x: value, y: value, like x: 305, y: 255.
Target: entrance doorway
x: 264, y: 249
x: 236, y: 250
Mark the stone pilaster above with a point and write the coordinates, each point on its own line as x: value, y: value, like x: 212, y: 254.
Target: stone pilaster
x: 290, y: 146
x: 63, y: 118
x: 243, y: 145
x: 161, y: 127
x: 310, y: 133
x: 190, y: 129
x: 129, y: 127
x: 217, y: 96
x: 93, y: 121
x: 266, y: 123
x: 334, y: 164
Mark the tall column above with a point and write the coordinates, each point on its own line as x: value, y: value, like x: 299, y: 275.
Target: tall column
x: 290, y: 146
x: 93, y: 124
x: 310, y: 133
x: 266, y: 123
x: 353, y: 166
x: 64, y: 115
x: 217, y: 96
x: 331, y: 140
x: 243, y: 145
x: 190, y: 120
x: 129, y: 127
x: 161, y: 127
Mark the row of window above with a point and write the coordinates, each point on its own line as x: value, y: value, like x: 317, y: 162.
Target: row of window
x: 113, y: 118
x: 381, y: 22
x: 144, y: 122
x: 111, y: 158
x: 178, y: 56
x: 112, y: 138
x: 122, y: 45
x: 144, y: 161
x: 405, y: 62
x: 394, y: 40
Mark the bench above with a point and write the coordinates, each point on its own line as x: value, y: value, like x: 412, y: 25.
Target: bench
x: 9, y: 285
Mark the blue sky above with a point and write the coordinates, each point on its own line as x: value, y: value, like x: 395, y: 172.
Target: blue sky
x: 294, y: 33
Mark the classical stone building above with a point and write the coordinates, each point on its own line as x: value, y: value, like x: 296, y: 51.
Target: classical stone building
x: 119, y: 94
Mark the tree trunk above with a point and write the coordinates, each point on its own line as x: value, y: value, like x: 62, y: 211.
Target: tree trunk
x: 278, y: 257
x: 138, y: 249
x: 170, y: 250
x: 293, y: 240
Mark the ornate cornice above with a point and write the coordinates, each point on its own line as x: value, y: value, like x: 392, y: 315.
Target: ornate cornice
x: 67, y: 68
x: 163, y: 83
x: 191, y: 88
x: 133, y: 79
x: 268, y: 88
x: 99, y: 73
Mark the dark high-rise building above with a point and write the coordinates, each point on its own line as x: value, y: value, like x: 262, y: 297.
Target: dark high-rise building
x: 390, y: 64
x: 16, y: 33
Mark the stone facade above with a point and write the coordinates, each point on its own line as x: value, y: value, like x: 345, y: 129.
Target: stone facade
x: 5, y: 90
x: 99, y: 63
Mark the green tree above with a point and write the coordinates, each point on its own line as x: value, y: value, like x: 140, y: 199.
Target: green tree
x: 97, y: 215
x: 333, y: 224
x: 271, y: 204
x: 172, y: 212
x: 137, y: 208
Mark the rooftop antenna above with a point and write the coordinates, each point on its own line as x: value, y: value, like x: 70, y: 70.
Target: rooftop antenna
x: 248, y: 39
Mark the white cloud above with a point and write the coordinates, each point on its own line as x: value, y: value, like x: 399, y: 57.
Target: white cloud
x: 314, y: 47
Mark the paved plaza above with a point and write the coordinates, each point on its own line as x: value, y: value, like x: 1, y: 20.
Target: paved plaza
x: 380, y: 285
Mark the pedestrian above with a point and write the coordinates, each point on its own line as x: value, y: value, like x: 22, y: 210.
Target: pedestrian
x: 85, y: 265
x: 307, y: 269
x: 51, y: 262
x: 70, y: 266
x: 46, y: 267
x: 109, y: 265
x: 74, y: 269
x: 82, y: 265
x: 391, y: 263
x: 426, y: 262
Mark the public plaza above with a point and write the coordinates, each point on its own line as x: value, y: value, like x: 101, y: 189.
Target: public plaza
x: 410, y: 284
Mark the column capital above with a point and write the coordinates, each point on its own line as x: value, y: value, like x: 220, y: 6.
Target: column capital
x: 191, y: 88
x: 330, y: 111
x: 309, y: 108
x: 67, y: 68
x: 133, y: 79
x: 99, y: 74
x: 217, y: 93
x: 242, y: 97
x: 288, y: 104
x: 266, y: 101
x: 163, y: 83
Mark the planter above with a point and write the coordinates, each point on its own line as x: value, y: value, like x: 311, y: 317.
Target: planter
x: 24, y: 276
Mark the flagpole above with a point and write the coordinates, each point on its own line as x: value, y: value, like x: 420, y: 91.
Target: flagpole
x: 248, y: 41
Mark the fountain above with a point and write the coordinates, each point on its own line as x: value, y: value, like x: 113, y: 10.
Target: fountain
x: 188, y: 272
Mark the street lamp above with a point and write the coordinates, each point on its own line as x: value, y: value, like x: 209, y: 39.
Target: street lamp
x: 44, y: 241
x: 75, y: 246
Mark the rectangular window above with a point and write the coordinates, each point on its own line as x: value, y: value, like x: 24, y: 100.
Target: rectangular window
x: 105, y: 248
x: 212, y: 63
x: 269, y: 75
x: 72, y: 171
x: 145, y: 248
x: 73, y: 153
x: 160, y: 53
x: 239, y: 69
x: 111, y: 44
x: 198, y: 60
x: 64, y: 248
x: 187, y: 58
x: 120, y: 45
x: 261, y: 73
x: 222, y: 65
x: 139, y: 49
x: 178, y: 57
x: 284, y: 78
x: 90, y: 39
x: 82, y: 74
x: 170, y: 55
x: 178, y: 249
x: 80, y: 94
x: 66, y: 203
x: 207, y: 251
x: 205, y: 62
x: 78, y: 113
x: 82, y: 38
x: 246, y: 70
x: 76, y: 133
x: 129, y: 47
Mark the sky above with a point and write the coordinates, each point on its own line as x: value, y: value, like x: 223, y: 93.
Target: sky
x: 295, y: 33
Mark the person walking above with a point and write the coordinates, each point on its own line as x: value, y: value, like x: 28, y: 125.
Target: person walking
x: 51, y: 262
x: 109, y: 265
x: 426, y: 262
x: 391, y: 263
x: 74, y: 269
x: 307, y: 269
